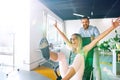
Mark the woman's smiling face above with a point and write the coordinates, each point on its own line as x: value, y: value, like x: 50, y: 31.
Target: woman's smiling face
x: 74, y: 41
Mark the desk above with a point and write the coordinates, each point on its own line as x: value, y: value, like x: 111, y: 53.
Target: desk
x: 116, y: 62
x: 24, y: 75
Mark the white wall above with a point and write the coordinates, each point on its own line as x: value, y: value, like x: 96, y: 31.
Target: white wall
x: 22, y: 34
x: 73, y: 26
x: 37, y: 30
x: 24, y: 19
x: 14, y: 20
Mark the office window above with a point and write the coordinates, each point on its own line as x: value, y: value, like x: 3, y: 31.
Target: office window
x: 52, y: 34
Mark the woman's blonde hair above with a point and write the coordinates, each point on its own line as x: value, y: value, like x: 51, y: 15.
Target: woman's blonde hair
x: 78, y: 36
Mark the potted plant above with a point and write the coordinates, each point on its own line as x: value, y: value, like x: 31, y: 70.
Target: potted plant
x: 110, y: 44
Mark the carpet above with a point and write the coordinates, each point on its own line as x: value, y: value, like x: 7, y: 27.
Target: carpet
x: 45, y: 71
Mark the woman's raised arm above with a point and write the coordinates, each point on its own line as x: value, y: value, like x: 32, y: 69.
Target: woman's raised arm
x: 63, y: 35
x: 115, y: 24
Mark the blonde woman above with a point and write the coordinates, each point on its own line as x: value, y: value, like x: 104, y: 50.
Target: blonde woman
x: 76, y: 69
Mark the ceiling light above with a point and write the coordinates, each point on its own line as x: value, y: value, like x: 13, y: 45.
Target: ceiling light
x: 78, y: 15
x: 92, y: 13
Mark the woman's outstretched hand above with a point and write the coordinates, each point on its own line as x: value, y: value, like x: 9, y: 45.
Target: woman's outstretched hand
x: 116, y: 23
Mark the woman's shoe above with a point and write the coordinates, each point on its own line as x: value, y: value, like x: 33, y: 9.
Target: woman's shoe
x: 44, y: 47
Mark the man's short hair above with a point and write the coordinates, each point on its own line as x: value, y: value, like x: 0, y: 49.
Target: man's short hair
x: 85, y: 17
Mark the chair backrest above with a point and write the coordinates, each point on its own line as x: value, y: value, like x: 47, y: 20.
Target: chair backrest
x: 88, y: 61
x: 89, y: 58
x: 86, y: 40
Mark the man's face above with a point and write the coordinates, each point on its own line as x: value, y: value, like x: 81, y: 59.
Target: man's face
x: 85, y: 23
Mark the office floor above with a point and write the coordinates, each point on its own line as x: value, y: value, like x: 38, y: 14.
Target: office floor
x: 105, y: 64
x: 23, y: 75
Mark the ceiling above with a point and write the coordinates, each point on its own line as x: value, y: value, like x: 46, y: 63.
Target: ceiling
x: 91, y: 8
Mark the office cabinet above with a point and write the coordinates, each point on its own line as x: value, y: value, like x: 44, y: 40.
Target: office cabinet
x: 116, y: 62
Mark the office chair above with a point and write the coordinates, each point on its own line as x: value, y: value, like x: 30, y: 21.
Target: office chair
x: 44, y: 47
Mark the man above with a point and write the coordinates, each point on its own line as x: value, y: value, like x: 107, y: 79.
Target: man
x: 90, y: 31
